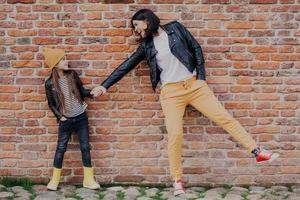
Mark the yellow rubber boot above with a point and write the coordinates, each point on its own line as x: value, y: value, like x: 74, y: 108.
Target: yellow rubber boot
x: 88, y: 180
x: 53, y: 184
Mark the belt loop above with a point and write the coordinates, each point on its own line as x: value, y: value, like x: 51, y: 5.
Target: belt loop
x: 185, y: 84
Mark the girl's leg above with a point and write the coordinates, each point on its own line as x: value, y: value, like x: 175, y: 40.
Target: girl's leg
x: 83, y: 137
x: 64, y: 134
x: 82, y: 130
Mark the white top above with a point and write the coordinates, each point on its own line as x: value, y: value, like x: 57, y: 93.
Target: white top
x: 172, y: 69
x: 73, y: 107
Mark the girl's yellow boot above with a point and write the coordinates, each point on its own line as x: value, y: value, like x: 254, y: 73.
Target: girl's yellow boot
x: 88, y: 180
x: 53, y: 184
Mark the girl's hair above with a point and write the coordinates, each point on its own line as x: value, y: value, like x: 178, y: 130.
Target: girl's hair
x: 151, y: 19
x: 73, y: 88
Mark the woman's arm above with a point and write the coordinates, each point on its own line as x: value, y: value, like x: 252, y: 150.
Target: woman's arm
x: 197, y: 51
x: 121, y: 71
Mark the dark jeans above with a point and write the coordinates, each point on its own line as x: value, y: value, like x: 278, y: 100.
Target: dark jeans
x: 78, y: 124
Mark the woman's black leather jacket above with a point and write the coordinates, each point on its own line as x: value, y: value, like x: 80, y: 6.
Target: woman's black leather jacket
x: 182, y: 45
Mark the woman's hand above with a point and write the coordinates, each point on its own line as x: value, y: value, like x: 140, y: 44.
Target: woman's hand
x: 97, y: 91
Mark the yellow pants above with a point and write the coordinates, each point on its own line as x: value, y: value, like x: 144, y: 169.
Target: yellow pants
x: 175, y: 97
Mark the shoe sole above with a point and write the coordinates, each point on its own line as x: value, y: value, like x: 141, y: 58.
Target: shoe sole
x: 176, y: 193
x: 52, y: 189
x: 92, y: 188
x: 273, y: 157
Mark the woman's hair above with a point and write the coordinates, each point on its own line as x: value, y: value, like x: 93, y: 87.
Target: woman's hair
x: 72, y: 87
x: 151, y: 19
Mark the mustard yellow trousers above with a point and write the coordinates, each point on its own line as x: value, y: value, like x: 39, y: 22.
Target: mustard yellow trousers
x: 174, y: 98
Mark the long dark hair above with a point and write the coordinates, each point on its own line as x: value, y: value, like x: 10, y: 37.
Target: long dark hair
x: 152, y: 21
x: 72, y: 87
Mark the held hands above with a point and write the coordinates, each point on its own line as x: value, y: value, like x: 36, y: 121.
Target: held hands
x: 97, y: 91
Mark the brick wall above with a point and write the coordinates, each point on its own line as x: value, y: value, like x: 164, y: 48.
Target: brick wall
x: 252, y: 59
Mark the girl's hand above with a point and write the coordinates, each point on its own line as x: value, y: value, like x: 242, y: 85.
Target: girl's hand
x: 63, y: 119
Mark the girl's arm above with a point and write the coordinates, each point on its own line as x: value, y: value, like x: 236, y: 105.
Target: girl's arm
x: 51, y: 102
x: 84, y: 92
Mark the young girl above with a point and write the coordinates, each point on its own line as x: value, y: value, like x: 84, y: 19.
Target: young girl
x: 65, y: 94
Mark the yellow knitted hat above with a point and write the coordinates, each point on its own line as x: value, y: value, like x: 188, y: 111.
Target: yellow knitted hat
x: 53, y: 56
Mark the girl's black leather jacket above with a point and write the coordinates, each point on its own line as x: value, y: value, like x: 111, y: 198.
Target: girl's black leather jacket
x: 52, y: 95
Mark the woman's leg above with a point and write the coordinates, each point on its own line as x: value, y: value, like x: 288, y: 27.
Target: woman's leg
x: 173, y: 109
x: 204, y: 101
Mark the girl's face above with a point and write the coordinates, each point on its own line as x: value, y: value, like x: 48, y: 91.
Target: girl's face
x: 140, y: 27
x: 62, y: 65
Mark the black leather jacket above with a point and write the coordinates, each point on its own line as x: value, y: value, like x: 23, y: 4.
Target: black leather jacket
x: 52, y: 95
x: 182, y: 45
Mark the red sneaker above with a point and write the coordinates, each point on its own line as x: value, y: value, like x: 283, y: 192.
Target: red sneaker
x: 178, y: 188
x: 264, y: 155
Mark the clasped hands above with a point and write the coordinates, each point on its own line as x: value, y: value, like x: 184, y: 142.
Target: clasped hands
x: 97, y: 91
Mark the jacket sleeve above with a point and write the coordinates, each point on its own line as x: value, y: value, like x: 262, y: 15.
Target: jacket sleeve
x: 124, y: 68
x: 51, y: 102
x: 197, y: 51
x: 84, y: 92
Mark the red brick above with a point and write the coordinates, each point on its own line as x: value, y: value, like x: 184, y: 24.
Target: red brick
x: 266, y: 97
x: 46, y: 8
x: 129, y: 178
x: 151, y: 170
x: 23, y: 8
x: 21, y: 1
x: 263, y: 1
x: 7, y: 25
x: 30, y: 131
x: 117, y: 32
x: 10, y: 155
x: 239, y: 25
x: 49, y: 24
x: 30, y: 81
x: 94, y: 24
x: 117, y: 1
x: 44, y: 41
x: 9, y: 89
x: 30, y: 114
x: 27, y: 16
x: 239, y: 105
x: 32, y: 147
x: 215, y: 1
x: 94, y: 16
x: 262, y: 49
x: 18, y: 49
x: 31, y: 164
x: 264, y: 129
x: 27, y: 63
x: 67, y: 1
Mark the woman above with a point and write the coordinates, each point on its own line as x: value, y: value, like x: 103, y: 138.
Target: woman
x: 175, y: 59
x: 65, y: 95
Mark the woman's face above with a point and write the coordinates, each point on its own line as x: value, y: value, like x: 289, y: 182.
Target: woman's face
x: 140, y: 27
x: 62, y: 65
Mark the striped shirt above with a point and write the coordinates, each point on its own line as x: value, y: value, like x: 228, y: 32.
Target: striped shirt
x: 73, y: 107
